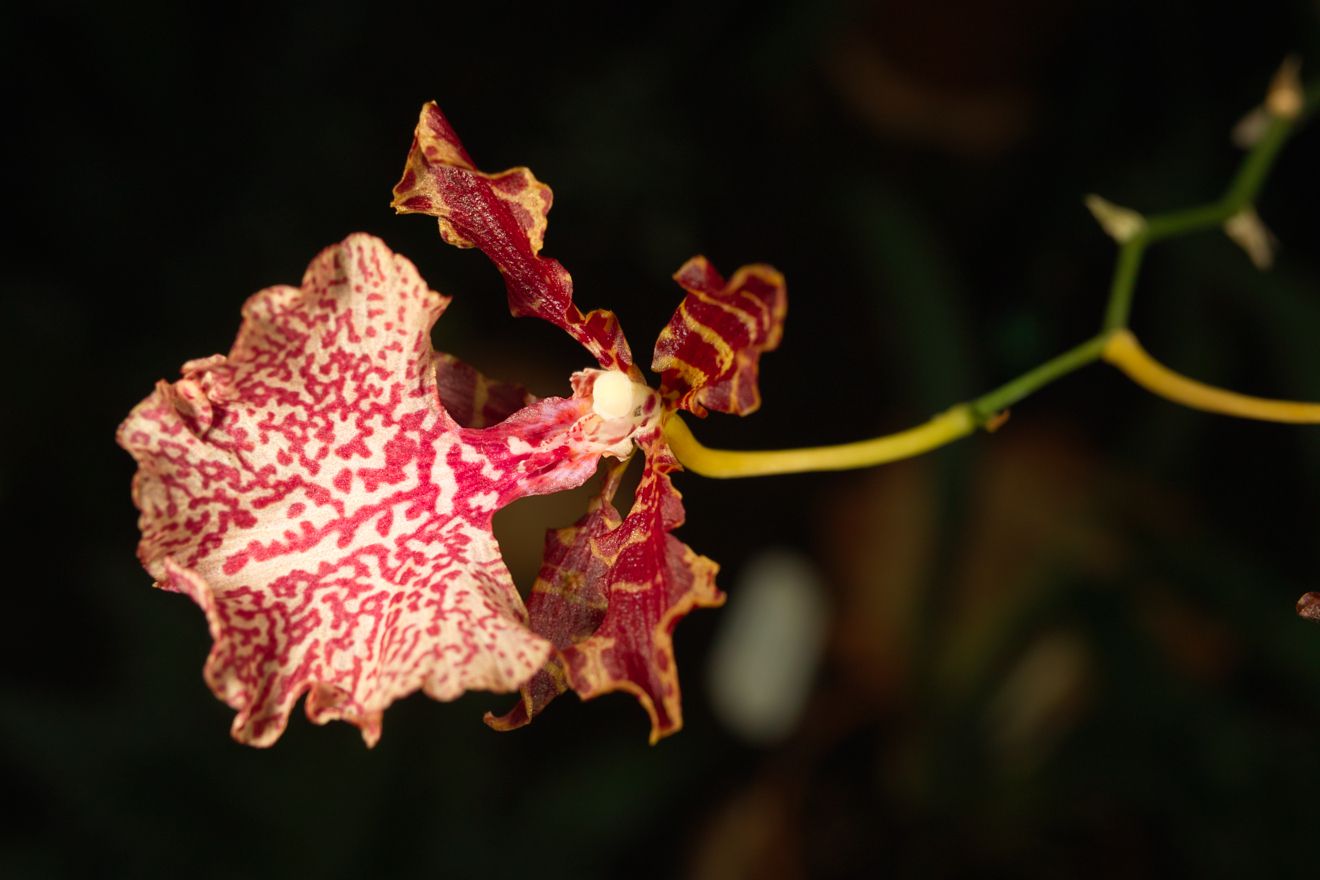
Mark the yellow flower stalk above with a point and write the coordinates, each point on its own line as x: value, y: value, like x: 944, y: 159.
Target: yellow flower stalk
x: 1123, y: 351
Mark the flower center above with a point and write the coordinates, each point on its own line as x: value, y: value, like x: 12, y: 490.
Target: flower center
x: 614, y: 395
x: 621, y: 410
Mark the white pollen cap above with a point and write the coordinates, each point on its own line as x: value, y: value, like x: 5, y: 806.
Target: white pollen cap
x: 614, y: 395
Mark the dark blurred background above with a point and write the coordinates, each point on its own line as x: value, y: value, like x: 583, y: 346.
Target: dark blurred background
x: 1067, y: 649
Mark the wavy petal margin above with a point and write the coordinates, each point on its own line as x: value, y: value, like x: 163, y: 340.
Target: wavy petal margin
x: 609, y: 595
x: 709, y: 351
x: 654, y: 580
x: 611, y: 589
x: 569, y: 599
x: 504, y: 215
x: 311, y: 493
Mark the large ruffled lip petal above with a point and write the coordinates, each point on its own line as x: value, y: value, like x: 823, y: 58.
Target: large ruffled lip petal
x: 311, y: 493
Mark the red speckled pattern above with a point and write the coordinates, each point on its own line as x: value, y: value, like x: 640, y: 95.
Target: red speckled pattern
x: 708, y: 353
x: 503, y: 215
x: 313, y: 496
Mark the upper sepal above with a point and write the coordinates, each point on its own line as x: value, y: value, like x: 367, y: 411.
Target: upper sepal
x: 504, y: 215
x: 709, y: 351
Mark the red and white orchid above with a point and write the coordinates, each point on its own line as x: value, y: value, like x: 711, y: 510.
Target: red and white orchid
x: 326, y: 491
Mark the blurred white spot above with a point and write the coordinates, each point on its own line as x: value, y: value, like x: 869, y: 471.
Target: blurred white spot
x: 768, y: 646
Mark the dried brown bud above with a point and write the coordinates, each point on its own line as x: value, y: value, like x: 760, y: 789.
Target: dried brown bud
x: 1285, y: 99
x: 1121, y: 224
x: 1308, y: 607
x: 1249, y: 233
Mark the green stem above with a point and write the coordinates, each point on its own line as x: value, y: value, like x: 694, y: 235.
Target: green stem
x: 1113, y: 342
x: 1126, y: 269
x: 1240, y: 194
x: 1256, y: 166
x: 987, y: 405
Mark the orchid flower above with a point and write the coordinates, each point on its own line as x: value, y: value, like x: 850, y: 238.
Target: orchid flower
x: 325, y: 492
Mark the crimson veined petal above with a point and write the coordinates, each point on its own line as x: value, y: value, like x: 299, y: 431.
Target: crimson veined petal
x: 569, y: 599
x: 312, y: 494
x: 653, y: 581
x: 708, y: 353
x: 611, y: 589
x: 610, y: 592
x: 504, y: 215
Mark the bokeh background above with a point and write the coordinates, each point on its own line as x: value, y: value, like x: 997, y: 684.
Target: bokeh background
x: 1067, y: 649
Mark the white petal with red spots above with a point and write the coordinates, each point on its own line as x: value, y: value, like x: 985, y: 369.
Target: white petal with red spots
x: 314, y: 497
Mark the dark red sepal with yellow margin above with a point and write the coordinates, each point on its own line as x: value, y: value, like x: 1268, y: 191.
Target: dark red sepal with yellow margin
x: 708, y: 353
x: 569, y: 599
x: 643, y: 578
x: 504, y: 215
x: 653, y: 581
